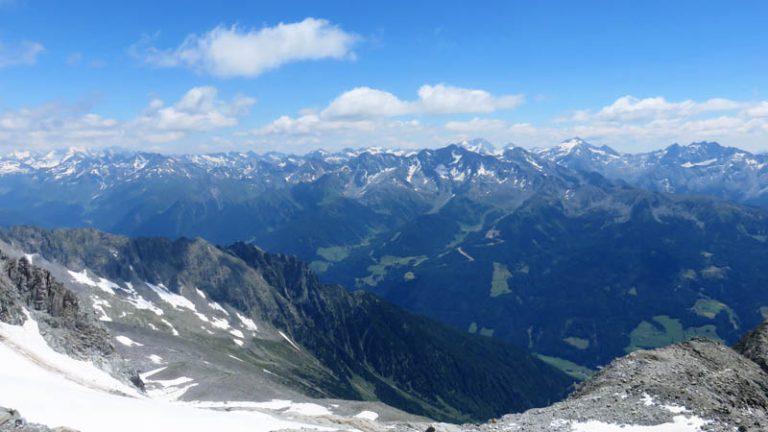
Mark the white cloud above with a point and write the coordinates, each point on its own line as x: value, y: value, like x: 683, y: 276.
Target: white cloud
x: 477, y: 125
x: 759, y: 110
x: 233, y: 51
x: 59, y: 125
x: 199, y: 110
x: 19, y: 53
x: 440, y: 99
x: 365, y: 102
x: 367, y: 116
x: 443, y: 99
x: 630, y: 108
x: 635, y: 124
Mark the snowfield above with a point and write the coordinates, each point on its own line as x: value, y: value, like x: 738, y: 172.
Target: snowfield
x: 55, y: 390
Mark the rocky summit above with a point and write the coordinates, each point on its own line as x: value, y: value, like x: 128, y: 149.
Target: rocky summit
x: 699, y: 385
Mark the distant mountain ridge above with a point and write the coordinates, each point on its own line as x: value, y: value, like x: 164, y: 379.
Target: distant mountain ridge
x: 703, y: 168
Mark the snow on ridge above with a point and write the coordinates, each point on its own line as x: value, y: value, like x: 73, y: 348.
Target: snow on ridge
x: 695, y: 164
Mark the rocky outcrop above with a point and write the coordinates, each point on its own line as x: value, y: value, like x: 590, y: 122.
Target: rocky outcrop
x: 695, y: 385
x: 754, y: 345
x: 12, y: 421
x: 66, y: 326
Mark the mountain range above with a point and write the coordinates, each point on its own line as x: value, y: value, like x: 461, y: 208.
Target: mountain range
x: 576, y: 253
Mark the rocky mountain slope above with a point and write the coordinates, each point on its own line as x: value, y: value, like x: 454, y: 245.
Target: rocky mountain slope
x: 253, y: 320
x: 694, y: 386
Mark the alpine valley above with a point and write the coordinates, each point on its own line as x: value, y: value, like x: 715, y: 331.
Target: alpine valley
x: 456, y: 284
x: 576, y: 253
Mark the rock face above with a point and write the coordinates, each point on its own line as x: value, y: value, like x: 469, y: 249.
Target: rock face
x: 754, y: 345
x: 24, y: 287
x: 691, y: 386
x: 12, y: 421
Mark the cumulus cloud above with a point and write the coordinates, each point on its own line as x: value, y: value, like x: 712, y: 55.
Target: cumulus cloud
x: 19, y: 53
x: 234, y: 51
x: 199, y: 110
x: 368, y: 116
x: 630, y: 108
x: 443, y: 99
x: 477, y: 125
x: 365, y: 102
x: 440, y: 99
x: 53, y: 125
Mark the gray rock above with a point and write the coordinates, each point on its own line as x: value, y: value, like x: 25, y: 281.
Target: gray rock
x: 754, y: 345
x: 699, y: 378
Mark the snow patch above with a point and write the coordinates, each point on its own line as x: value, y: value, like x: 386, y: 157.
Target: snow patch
x: 695, y: 164
x: 218, y: 307
x: 367, y: 415
x: 176, y: 300
x: 156, y: 359
x: 220, y: 323
x: 170, y: 326
x: 125, y: 340
x: 679, y: 423
x: 140, y: 302
x: 103, y: 284
x: 248, y: 323
x: 24, y: 353
x: 98, y: 306
x: 289, y: 340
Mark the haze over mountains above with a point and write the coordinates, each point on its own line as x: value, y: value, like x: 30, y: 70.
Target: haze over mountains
x: 534, y: 247
x: 556, y: 262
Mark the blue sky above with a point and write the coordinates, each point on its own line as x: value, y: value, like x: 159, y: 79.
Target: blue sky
x: 211, y: 76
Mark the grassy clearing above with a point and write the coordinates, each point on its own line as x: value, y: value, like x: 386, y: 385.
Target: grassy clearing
x: 333, y: 253
x: 649, y: 335
x: 577, y: 343
x: 500, y: 280
x: 576, y: 371
x: 377, y: 272
x: 710, y: 309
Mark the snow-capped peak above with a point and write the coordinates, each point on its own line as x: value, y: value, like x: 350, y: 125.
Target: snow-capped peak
x: 478, y: 145
x: 570, y: 144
